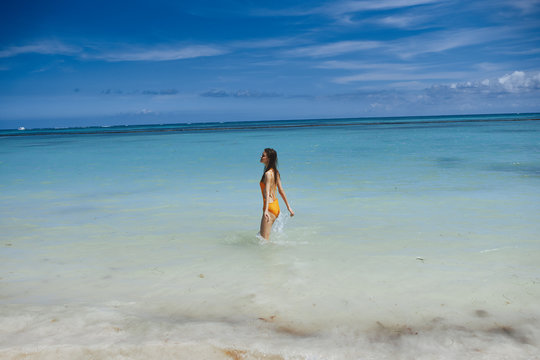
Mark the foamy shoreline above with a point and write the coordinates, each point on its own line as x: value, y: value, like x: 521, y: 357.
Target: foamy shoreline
x: 118, y: 331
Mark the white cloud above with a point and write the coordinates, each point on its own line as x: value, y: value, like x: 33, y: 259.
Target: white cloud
x: 402, y: 21
x: 351, y: 12
x: 397, y: 76
x: 365, y: 65
x: 333, y: 49
x: 46, y: 47
x: 368, y: 5
x: 517, y: 91
x: 217, y: 93
x: 158, y: 54
x: 525, y: 6
x: 515, y: 82
x: 409, y: 85
x: 400, y: 73
x: 346, y: 65
x: 342, y: 8
x: 488, y: 67
x: 129, y: 53
x: 410, y: 47
x: 265, y: 43
x: 447, y: 40
x: 520, y: 81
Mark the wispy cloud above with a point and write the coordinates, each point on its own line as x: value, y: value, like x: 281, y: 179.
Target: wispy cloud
x: 340, y: 8
x: 525, y: 6
x: 408, y: 47
x: 436, y: 42
x: 364, y: 65
x: 164, y: 53
x: 162, y: 92
x: 516, y: 82
x: 266, y: 43
x: 345, y: 7
x: 146, y: 112
x: 46, y: 47
x: 402, y: 21
x: 520, y: 88
x: 399, y: 76
x: 217, y: 93
x: 127, y: 52
x: 332, y: 49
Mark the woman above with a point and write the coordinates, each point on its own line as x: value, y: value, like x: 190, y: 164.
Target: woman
x: 269, y: 181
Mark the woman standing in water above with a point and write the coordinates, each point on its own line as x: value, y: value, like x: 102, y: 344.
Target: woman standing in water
x: 269, y: 181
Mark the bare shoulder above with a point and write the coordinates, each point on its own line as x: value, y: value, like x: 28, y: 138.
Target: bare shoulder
x: 269, y: 175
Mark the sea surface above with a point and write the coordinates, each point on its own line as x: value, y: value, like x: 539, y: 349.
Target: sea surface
x: 414, y: 238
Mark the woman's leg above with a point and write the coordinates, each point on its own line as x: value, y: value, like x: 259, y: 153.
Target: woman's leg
x: 266, y: 226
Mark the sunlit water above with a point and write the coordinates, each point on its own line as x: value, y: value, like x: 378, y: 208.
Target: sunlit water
x: 413, y: 239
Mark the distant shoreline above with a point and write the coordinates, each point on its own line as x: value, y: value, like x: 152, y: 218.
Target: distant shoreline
x: 272, y: 124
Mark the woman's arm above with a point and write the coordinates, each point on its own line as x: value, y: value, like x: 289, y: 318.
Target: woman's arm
x: 282, y: 193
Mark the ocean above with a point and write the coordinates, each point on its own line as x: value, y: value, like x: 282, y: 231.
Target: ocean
x: 413, y: 238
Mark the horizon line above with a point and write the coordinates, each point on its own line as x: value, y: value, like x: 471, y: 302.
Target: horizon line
x: 263, y: 124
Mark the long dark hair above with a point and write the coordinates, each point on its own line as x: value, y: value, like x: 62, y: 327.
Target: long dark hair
x: 272, y: 163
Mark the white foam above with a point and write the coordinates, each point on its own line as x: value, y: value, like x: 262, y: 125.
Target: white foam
x: 128, y: 331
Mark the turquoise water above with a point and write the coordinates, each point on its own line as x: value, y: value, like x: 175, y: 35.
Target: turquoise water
x: 413, y: 238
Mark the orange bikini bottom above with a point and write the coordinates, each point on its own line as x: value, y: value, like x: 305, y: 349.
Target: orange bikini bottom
x: 273, y: 207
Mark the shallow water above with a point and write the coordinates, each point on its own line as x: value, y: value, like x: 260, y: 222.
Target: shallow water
x: 412, y: 239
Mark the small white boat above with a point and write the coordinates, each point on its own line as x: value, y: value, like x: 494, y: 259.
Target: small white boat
x: 21, y: 128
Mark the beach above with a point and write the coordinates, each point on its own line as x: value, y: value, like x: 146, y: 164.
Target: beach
x: 414, y: 238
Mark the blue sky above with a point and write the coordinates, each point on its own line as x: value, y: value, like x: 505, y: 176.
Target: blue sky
x: 79, y: 63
